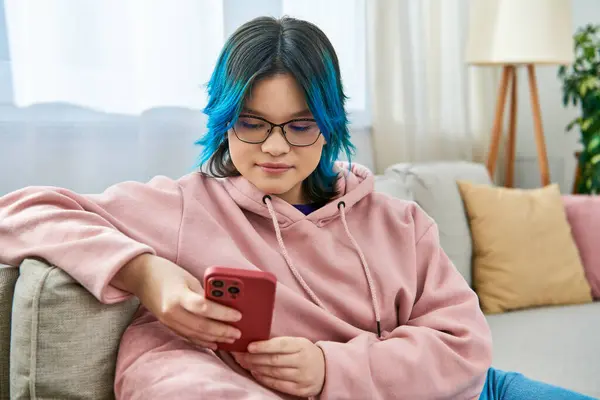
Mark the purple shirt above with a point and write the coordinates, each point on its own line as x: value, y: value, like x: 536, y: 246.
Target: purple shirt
x: 307, y: 208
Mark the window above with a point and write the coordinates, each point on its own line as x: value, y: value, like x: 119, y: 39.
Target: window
x: 113, y: 55
x: 129, y: 56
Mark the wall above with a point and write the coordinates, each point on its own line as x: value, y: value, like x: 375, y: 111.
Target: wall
x: 561, y: 145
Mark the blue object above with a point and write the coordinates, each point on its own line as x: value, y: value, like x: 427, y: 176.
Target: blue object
x: 306, y: 208
x: 501, y: 385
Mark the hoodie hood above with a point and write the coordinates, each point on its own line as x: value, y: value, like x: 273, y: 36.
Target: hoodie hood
x: 354, y: 183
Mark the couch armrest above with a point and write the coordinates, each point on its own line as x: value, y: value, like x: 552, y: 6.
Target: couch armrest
x: 8, y: 279
x: 64, y: 342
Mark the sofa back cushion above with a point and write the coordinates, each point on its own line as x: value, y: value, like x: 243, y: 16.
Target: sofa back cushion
x: 393, y: 187
x: 8, y: 279
x: 433, y: 186
x: 583, y: 213
x: 64, y: 342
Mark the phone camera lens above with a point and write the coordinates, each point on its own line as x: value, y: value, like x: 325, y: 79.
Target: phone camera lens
x: 234, y: 290
x: 218, y: 283
x: 217, y: 293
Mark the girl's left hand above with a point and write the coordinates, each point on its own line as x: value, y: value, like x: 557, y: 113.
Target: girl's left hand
x: 290, y: 365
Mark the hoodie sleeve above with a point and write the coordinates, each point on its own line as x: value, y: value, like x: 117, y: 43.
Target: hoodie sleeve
x: 442, y: 352
x: 92, y: 236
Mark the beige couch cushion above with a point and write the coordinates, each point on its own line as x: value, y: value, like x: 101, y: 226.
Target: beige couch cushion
x: 524, y: 254
x: 64, y: 342
x: 8, y: 278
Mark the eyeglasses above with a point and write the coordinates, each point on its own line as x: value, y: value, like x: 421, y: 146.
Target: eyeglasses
x: 299, y: 132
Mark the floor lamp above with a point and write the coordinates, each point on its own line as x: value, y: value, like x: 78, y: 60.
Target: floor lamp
x: 519, y: 34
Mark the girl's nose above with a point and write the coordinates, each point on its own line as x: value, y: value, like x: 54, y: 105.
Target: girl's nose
x: 276, y: 144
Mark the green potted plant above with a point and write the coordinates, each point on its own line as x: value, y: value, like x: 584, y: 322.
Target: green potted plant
x: 581, y: 87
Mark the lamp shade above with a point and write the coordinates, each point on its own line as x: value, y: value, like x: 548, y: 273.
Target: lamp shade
x: 520, y: 32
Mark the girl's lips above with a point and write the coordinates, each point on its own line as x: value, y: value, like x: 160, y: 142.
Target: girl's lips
x: 274, y: 168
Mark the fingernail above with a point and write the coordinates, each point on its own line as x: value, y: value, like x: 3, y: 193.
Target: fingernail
x: 237, y: 334
x: 236, y: 316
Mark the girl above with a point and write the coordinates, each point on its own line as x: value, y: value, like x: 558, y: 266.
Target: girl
x: 368, y: 305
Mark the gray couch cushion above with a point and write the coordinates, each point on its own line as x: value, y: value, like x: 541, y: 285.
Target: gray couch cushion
x: 393, y: 187
x: 64, y: 342
x: 557, y: 345
x: 8, y: 278
x: 433, y: 186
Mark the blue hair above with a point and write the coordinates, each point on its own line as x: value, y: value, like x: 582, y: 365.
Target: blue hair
x: 225, y: 100
x: 264, y: 47
x: 328, y: 109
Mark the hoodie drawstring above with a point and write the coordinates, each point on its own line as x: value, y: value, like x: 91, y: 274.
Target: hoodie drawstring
x: 288, y: 259
x: 363, y: 260
x: 312, y: 295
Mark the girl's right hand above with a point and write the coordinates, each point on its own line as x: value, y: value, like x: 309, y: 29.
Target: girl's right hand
x: 176, y: 298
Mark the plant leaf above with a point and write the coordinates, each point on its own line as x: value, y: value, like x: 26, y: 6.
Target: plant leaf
x: 581, y: 88
x: 571, y: 124
x: 593, y: 144
x: 595, y: 176
x: 586, y: 123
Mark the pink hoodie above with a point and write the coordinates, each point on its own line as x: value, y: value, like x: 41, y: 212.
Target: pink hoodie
x: 361, y: 258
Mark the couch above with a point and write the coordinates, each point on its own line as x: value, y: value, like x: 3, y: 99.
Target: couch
x: 62, y: 344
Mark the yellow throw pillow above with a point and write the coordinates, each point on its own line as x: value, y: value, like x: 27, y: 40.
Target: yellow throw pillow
x: 523, y: 251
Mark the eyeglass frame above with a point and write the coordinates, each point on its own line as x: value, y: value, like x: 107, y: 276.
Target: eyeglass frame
x: 280, y: 126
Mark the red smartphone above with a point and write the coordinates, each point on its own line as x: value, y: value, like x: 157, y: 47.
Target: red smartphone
x: 250, y: 292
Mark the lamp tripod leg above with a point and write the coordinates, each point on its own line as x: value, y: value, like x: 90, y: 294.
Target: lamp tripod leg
x: 538, y: 129
x: 497, y: 127
x: 512, y: 133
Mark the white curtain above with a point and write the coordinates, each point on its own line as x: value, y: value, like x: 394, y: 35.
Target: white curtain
x: 426, y: 103
x: 105, y: 91
x: 95, y: 92
x: 113, y: 55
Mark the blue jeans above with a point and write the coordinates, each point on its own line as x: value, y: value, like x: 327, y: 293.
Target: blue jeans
x: 501, y: 385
